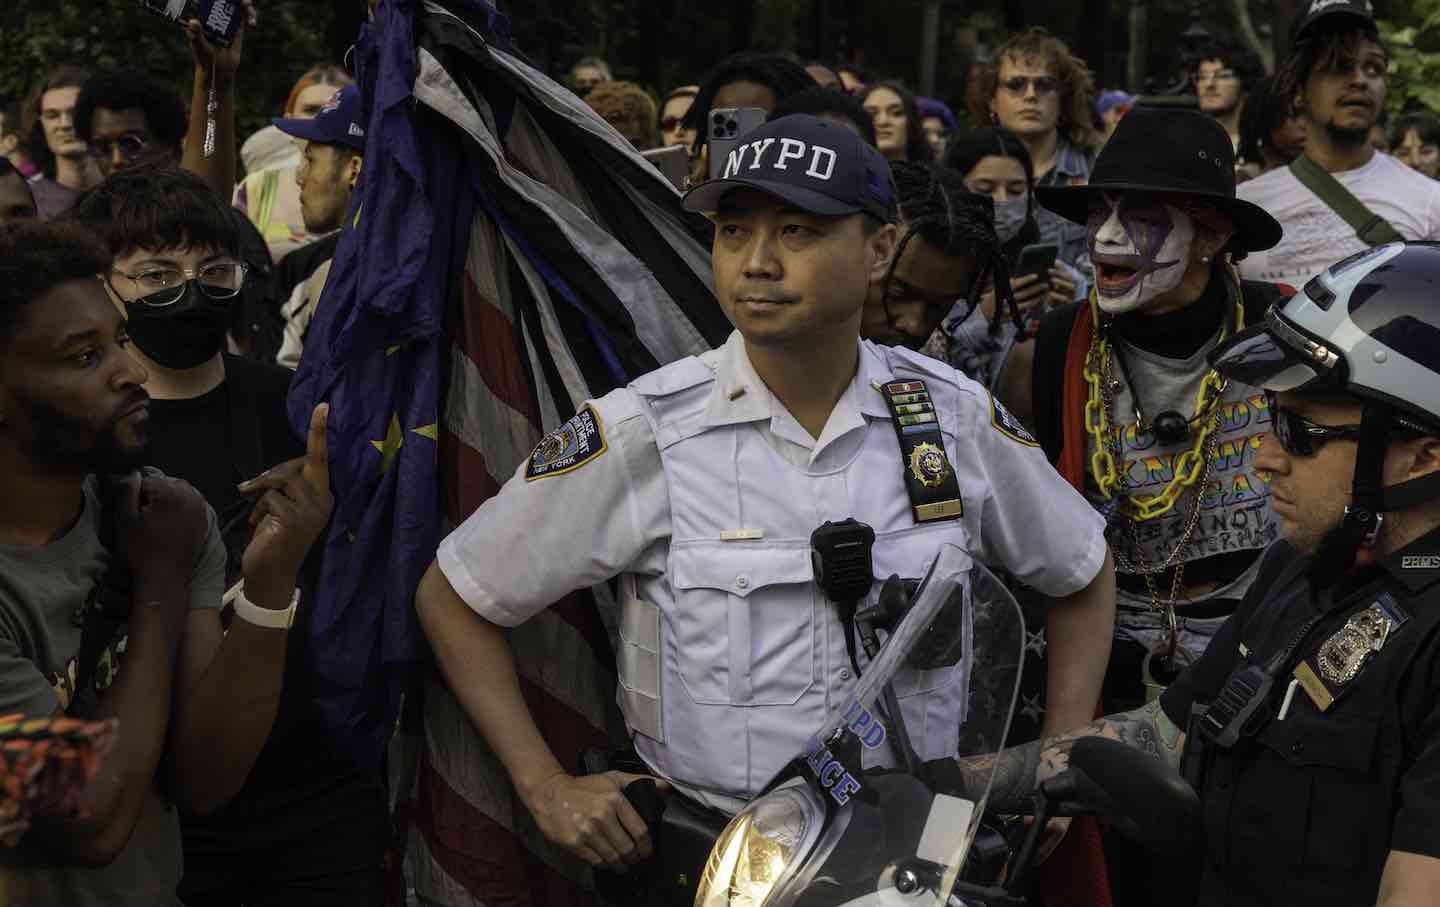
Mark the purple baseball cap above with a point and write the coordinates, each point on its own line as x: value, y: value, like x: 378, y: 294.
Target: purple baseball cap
x: 337, y: 123
x: 814, y: 164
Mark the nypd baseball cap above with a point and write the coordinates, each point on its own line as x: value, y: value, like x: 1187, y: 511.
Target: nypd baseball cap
x: 1357, y: 13
x: 337, y: 123
x: 816, y: 165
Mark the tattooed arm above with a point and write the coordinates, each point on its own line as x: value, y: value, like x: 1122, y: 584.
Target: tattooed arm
x: 1020, y: 769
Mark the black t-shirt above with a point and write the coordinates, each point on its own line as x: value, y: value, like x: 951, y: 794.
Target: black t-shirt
x: 223, y: 437
x: 214, y: 441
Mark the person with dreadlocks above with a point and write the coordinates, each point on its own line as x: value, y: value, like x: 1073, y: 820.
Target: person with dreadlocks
x: 1272, y: 132
x: 701, y: 486
x: 1339, y: 196
x: 1123, y: 402
x: 948, y: 251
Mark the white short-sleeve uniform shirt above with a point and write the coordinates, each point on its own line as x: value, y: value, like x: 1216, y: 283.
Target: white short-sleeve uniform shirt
x: 698, y: 488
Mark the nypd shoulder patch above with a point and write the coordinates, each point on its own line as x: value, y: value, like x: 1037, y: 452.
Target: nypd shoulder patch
x: 568, y: 447
x: 1005, y: 422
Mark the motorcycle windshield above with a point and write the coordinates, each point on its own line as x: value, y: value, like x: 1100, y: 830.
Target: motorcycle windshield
x: 829, y: 831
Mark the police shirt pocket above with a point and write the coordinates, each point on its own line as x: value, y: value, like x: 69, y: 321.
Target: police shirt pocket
x: 908, y: 553
x: 1344, y: 803
x: 744, y: 622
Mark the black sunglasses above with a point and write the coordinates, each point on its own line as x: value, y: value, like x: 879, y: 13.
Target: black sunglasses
x: 1298, y: 436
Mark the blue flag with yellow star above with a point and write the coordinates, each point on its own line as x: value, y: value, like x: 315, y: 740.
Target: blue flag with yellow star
x: 476, y: 299
x: 374, y: 351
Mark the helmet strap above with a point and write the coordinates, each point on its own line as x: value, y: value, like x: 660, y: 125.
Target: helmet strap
x: 1365, y: 514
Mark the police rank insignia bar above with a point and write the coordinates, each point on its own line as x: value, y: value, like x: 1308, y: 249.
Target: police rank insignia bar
x: 929, y: 479
x: 568, y: 447
x: 1329, y: 671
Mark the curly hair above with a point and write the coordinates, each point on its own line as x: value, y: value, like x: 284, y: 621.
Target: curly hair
x: 916, y: 147
x: 628, y: 108
x: 1243, y: 61
x: 37, y: 257
x: 129, y: 89
x: 1077, y: 83
x: 32, y: 128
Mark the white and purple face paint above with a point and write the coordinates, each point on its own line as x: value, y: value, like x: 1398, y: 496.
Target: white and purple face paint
x: 1140, y: 247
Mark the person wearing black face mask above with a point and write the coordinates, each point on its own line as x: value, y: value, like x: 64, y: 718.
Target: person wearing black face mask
x: 176, y: 273
x: 994, y: 162
x: 216, y: 419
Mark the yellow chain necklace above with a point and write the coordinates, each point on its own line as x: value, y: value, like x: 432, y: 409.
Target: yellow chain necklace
x: 1099, y: 422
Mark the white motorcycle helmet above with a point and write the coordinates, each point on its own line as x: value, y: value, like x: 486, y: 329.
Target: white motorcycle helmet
x: 1368, y: 326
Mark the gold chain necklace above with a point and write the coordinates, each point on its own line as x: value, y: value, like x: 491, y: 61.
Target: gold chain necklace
x: 1100, y: 423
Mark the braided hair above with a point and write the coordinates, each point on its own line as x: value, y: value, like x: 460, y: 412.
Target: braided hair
x: 935, y: 206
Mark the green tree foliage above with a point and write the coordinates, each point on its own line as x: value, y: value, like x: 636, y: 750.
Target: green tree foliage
x: 1412, y: 35
x: 292, y: 36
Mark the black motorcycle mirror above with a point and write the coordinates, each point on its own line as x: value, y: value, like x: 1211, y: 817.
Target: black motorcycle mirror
x: 1147, y: 799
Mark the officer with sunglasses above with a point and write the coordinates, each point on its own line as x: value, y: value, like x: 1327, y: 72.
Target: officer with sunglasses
x: 1310, y: 727
x: 1314, y: 717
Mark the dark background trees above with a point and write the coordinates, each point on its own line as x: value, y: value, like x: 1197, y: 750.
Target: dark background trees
x: 662, y: 43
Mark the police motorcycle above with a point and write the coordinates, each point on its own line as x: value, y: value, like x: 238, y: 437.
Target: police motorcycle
x: 831, y: 830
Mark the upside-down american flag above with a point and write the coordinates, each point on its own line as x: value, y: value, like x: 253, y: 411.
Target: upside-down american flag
x: 508, y: 255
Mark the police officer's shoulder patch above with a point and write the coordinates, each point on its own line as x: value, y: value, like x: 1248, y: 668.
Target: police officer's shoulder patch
x: 568, y: 447
x: 1005, y: 422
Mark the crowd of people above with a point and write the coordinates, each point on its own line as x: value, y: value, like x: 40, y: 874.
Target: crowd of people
x: 1160, y: 361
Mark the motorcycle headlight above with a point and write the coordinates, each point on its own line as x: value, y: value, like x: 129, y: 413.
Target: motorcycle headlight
x: 761, y: 848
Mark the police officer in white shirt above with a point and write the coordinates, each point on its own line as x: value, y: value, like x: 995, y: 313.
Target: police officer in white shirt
x: 700, y: 485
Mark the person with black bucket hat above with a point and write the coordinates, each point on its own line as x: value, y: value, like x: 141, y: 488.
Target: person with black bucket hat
x: 1123, y: 402
x: 704, y: 485
x: 1340, y: 196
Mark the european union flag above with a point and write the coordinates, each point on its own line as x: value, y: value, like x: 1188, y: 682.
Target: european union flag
x: 374, y: 351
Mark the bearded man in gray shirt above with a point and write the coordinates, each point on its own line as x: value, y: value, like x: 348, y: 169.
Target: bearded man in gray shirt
x: 110, y: 586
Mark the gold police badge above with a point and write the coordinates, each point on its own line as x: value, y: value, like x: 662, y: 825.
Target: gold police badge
x: 1343, y: 654
x: 928, y: 464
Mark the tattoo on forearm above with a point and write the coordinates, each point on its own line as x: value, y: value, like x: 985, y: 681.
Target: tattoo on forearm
x: 1020, y: 769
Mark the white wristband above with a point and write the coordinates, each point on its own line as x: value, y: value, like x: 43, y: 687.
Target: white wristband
x: 268, y: 618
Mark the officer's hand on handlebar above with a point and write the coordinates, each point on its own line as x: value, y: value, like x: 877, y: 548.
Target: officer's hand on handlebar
x: 590, y: 817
